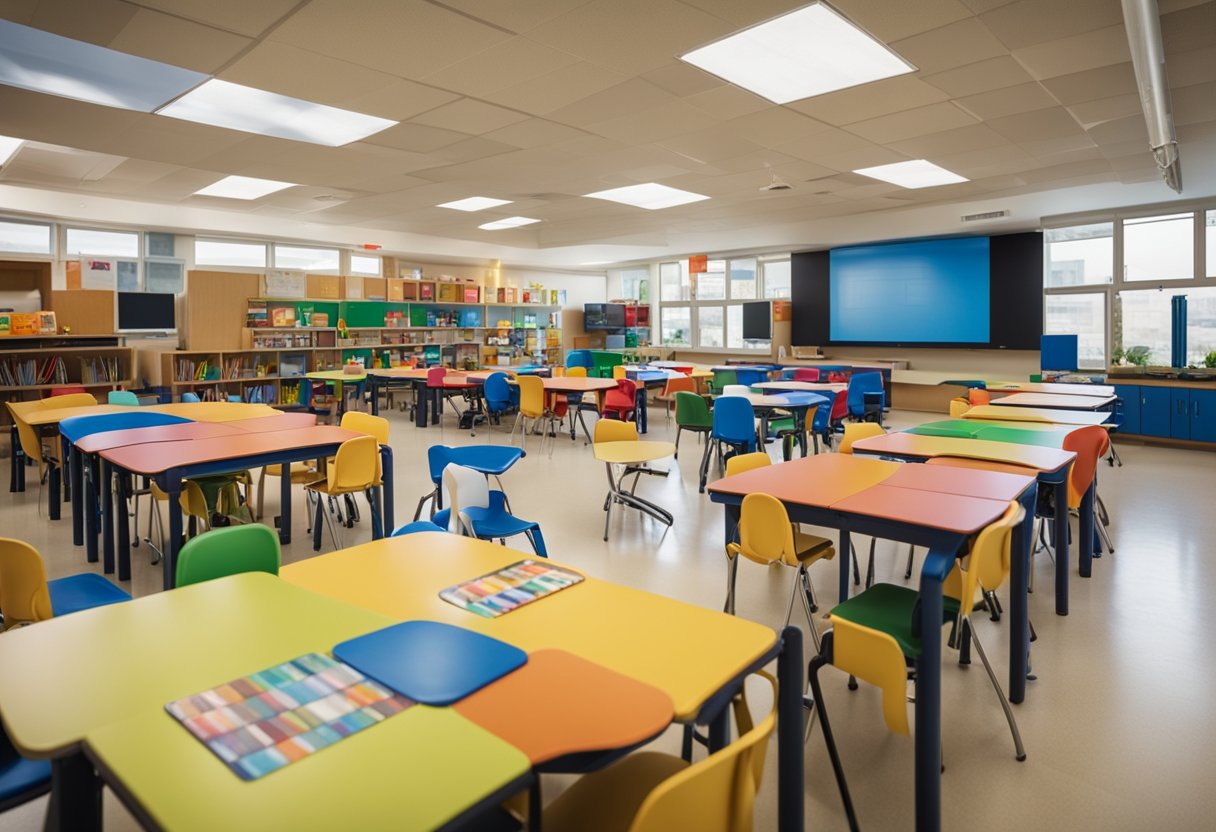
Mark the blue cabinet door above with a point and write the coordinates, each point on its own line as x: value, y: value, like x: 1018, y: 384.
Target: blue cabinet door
x: 1129, y: 404
x: 1180, y: 413
x: 1203, y: 415
x: 1155, y: 411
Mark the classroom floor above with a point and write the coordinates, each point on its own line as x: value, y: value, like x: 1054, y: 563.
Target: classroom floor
x: 1118, y: 726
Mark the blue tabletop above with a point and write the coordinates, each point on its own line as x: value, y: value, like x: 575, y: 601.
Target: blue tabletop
x: 488, y: 459
x: 801, y: 399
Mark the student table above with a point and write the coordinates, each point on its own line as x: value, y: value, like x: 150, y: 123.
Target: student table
x: 896, y: 502
x: 830, y: 388
x: 425, y: 404
x: 1037, y: 414
x: 338, y: 378
x: 579, y: 385
x: 1054, y: 401
x: 797, y: 403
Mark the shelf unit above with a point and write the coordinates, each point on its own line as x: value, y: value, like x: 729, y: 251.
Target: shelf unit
x: 630, y: 322
x: 32, y: 366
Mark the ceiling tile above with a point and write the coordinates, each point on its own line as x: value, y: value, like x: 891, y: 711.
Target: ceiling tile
x: 546, y: 93
x: 870, y: 100
x: 1056, y: 173
x: 418, y: 138
x: 399, y: 100
x: 1091, y: 50
x: 981, y: 6
x: 93, y: 21
x: 1194, y: 67
x: 1093, y: 84
x: 891, y: 21
x: 917, y: 122
x: 776, y: 125
x: 505, y: 64
x: 1128, y: 129
x: 239, y: 16
x: 1040, y: 124
x: 1028, y: 22
x: 477, y: 147
x: 534, y: 132
x: 655, y: 124
x: 1089, y: 113
x: 749, y: 13
x: 518, y: 17
x: 632, y: 96
x: 728, y: 101
x: 469, y: 116
x: 710, y: 145
x: 990, y: 161
x: 958, y: 44
x: 959, y: 140
x: 682, y: 79
x: 1058, y: 145
x: 1194, y: 104
x: 172, y: 40
x: 992, y: 74
x: 1192, y: 28
x: 871, y: 155
x: 1008, y: 101
x: 819, y: 147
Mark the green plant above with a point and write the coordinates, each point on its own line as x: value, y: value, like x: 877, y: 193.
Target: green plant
x: 1137, y: 355
x: 1118, y: 355
x: 1209, y: 360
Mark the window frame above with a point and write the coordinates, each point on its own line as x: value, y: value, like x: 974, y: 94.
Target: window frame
x: 265, y: 244
x: 52, y: 240
x: 68, y: 254
x: 695, y: 304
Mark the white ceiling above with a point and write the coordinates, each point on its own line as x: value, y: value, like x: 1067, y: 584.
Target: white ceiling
x: 540, y: 101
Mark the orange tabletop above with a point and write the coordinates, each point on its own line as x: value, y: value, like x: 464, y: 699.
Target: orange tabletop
x: 818, y: 480
x: 1055, y: 400
x: 161, y: 456
x: 925, y: 447
x: 802, y: 386
x: 981, y: 465
x: 966, y: 482
x: 268, y: 424
x: 559, y: 704
x: 991, y: 412
x: 183, y: 431
x: 959, y: 514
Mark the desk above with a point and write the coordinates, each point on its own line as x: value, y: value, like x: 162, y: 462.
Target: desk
x: 1037, y: 414
x: 424, y: 403
x: 1057, y: 388
x: 825, y: 387
x: 338, y: 378
x: 853, y: 495
x: 580, y: 386
x: 1054, y: 401
x: 798, y: 403
x: 694, y: 655
x: 633, y: 454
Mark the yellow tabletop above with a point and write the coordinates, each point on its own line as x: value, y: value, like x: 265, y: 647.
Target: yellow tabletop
x: 68, y: 676
x: 908, y: 444
x: 195, y: 411
x: 989, y: 412
x: 1053, y: 400
x: 415, y: 770
x: 688, y: 652
x: 337, y: 375
x: 55, y: 415
x: 1050, y: 387
x: 631, y: 451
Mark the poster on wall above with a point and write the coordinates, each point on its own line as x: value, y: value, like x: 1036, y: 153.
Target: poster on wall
x: 285, y: 285
x: 98, y: 274
x: 698, y: 264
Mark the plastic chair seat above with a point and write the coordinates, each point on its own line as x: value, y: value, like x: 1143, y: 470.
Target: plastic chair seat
x: 812, y: 547
x: 609, y: 799
x: 489, y: 521
x: 417, y: 526
x: 891, y: 609
x: 21, y: 779
x: 82, y: 592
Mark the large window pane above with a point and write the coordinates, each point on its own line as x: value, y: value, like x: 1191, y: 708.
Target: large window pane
x: 227, y: 253
x: 1084, y: 316
x: 777, y: 279
x: 743, y: 279
x: 676, y: 330
x: 128, y: 276
x: 163, y: 276
x: 710, y: 326
x: 1146, y: 318
x: 25, y: 237
x: 1080, y: 255
x: 673, y: 282
x: 306, y: 258
x: 1159, y: 248
x: 712, y: 284
x: 635, y: 284
x: 364, y: 264
x: 734, y: 331
x: 107, y: 243
x: 1209, y: 243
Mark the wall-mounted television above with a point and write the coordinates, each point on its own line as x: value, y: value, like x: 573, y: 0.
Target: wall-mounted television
x: 146, y: 312
x: 758, y: 321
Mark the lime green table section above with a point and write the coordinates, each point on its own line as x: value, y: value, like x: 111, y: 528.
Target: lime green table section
x: 416, y: 770
x: 68, y: 676
x: 1047, y: 436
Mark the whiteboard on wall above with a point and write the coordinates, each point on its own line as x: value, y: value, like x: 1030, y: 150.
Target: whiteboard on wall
x: 285, y: 285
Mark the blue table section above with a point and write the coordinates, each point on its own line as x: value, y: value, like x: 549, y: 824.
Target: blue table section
x: 430, y: 662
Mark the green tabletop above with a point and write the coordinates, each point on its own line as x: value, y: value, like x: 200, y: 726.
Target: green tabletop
x: 949, y: 427
x: 68, y: 676
x: 416, y: 770
x: 1018, y: 433
x: 1019, y: 436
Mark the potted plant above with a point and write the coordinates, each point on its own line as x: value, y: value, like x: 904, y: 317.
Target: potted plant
x: 1209, y: 360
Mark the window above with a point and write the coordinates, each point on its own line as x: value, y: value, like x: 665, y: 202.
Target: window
x: 1079, y: 256
x: 25, y: 237
x: 711, y: 327
x: 714, y: 319
x: 365, y: 264
x: 229, y: 253
x: 711, y: 285
x: 776, y: 274
x: 635, y: 285
x: 743, y: 279
x: 1159, y: 248
x: 1145, y: 315
x: 673, y: 282
x: 306, y: 258
x: 1082, y: 314
x: 1209, y: 243
x: 676, y: 329
x: 102, y: 243
x: 128, y: 276
x: 164, y: 276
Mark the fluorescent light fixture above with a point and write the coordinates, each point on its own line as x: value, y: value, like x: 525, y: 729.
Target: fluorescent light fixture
x: 807, y: 52
x: 224, y: 104
x: 917, y: 173
x: 243, y: 187
x: 36, y: 60
x: 474, y: 203
x: 651, y: 196
x: 509, y: 222
x: 8, y: 146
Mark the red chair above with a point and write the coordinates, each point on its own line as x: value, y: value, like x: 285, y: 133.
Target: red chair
x: 621, y: 402
x: 837, y: 377
x: 806, y: 374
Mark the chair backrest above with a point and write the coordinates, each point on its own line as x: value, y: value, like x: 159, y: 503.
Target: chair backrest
x: 739, y: 463
x: 356, y: 465
x: 840, y: 406
x: 361, y: 422
x: 71, y: 400
x: 417, y: 526
x: 718, y: 793
x: 978, y: 396
x: 123, y: 397
x: 692, y: 411
x: 497, y: 391
x: 724, y: 377
x: 78, y: 427
x: 959, y: 406
x: 859, y: 385
x: 618, y: 371
x: 765, y: 533
x: 531, y: 396
x: 677, y: 384
x: 27, y: 436
x: 228, y: 551
x: 24, y: 598
x: 989, y: 561
x: 858, y: 430
x: 733, y: 419
x: 437, y: 458
x: 1089, y: 443
x: 576, y: 372
x: 806, y: 374
x: 624, y: 395
x: 736, y: 390
x: 578, y: 358
x: 875, y: 657
x: 190, y: 398
x: 750, y: 377
x: 614, y: 430
x: 434, y: 376
x: 463, y: 488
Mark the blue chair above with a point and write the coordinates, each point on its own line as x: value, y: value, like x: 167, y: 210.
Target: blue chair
x: 480, y: 512
x: 437, y: 458
x: 749, y: 377
x: 27, y: 597
x: 416, y: 526
x: 498, y: 395
x: 866, y: 396
x: 491, y: 460
x: 734, y: 426
x: 579, y: 358
x: 122, y: 397
x: 21, y: 780
x: 190, y: 398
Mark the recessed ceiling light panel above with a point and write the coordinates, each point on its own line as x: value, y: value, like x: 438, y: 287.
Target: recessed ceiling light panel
x: 224, y: 104
x: 807, y: 52
x: 8, y: 146
x: 509, y: 222
x: 474, y: 203
x: 651, y: 196
x: 36, y: 60
x: 243, y: 187
x: 917, y: 173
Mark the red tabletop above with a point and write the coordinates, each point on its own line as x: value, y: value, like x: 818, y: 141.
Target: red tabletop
x: 967, y: 482
x: 818, y: 480
x: 159, y: 457
x: 183, y: 431
x: 578, y: 384
x: 266, y: 424
x: 952, y: 513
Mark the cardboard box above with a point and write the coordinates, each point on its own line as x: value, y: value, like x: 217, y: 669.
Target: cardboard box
x: 472, y: 294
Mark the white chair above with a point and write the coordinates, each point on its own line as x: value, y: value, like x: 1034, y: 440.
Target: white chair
x: 476, y: 511
x: 736, y: 390
x: 463, y: 488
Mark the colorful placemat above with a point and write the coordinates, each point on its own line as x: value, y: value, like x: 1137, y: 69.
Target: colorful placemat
x: 509, y: 588
x: 262, y: 722
x: 430, y: 662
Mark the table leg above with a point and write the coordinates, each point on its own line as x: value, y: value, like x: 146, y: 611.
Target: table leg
x: 107, y: 517
x: 386, y: 489
x: 16, y: 481
x: 641, y: 408
x: 54, y: 477
x: 1061, y: 537
x: 285, y: 506
x: 791, y: 791
x: 1019, y: 605
x: 842, y: 554
x: 929, y: 693
x: 75, y: 469
x: 121, y: 492
x: 65, y: 458
x: 75, y: 802
x: 422, y: 402
x: 1085, y: 531
x: 173, y: 490
x: 374, y: 386
x: 91, y: 508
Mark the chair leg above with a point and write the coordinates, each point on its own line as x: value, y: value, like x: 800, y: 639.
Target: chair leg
x: 818, y: 662
x: 870, y: 565
x: 538, y: 542
x: 802, y: 582
x: 856, y: 571
x: 908, y: 570
x: 996, y: 685
x: 732, y: 567
x: 333, y: 526
x: 679, y: 430
x: 317, y: 521
x: 705, y: 463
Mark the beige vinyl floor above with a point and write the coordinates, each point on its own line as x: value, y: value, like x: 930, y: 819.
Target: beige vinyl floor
x: 1119, y: 726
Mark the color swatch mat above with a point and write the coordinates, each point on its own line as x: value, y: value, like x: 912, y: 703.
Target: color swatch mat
x: 509, y: 588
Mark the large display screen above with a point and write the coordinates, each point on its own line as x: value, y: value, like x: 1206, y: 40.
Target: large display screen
x: 143, y: 311
x: 926, y: 291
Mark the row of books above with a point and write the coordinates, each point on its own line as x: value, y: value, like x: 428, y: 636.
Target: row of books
x: 29, y: 372
x: 99, y: 370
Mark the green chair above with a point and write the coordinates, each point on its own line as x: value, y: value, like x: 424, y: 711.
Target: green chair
x: 692, y: 413
x: 721, y: 379
x: 228, y: 551
x: 123, y: 397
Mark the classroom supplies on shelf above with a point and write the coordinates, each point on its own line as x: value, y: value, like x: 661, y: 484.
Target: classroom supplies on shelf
x: 509, y: 588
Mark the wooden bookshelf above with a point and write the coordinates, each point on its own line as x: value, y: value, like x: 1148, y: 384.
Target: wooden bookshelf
x: 30, y: 367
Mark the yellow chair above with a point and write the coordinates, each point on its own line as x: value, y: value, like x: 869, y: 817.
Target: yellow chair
x: 26, y: 597
x: 29, y: 438
x: 739, y: 463
x: 766, y: 536
x: 356, y: 468
x: 576, y: 372
x: 532, y: 407
x: 874, y: 636
x: 619, y: 371
x: 654, y: 792
x: 614, y: 430
x: 959, y: 406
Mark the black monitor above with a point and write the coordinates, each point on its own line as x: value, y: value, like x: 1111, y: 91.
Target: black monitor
x: 757, y: 321
x: 146, y: 312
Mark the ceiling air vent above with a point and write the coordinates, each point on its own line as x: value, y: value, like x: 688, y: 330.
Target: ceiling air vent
x: 989, y: 215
